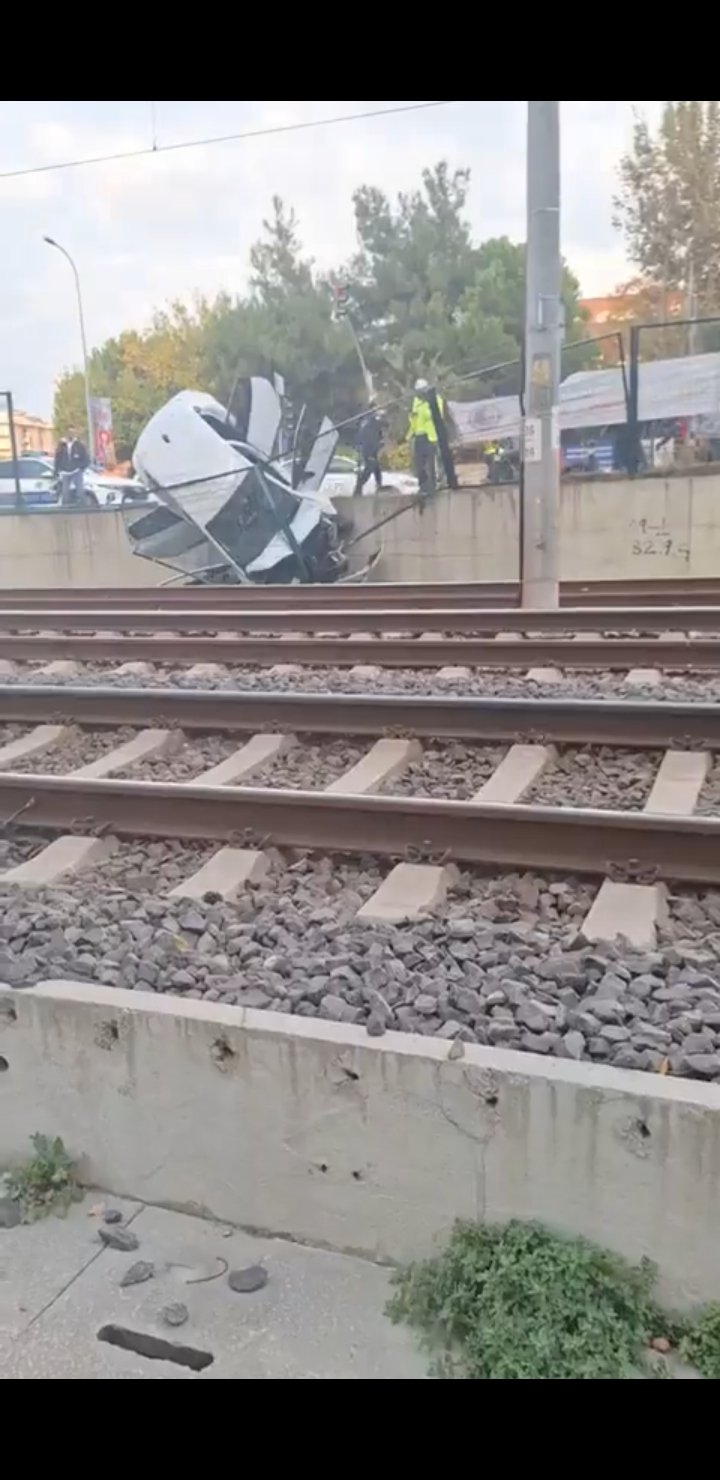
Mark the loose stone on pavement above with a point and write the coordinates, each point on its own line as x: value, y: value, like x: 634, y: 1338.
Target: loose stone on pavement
x: 247, y: 1281
x: 119, y: 1238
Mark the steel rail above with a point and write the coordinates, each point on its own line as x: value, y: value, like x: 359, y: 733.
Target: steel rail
x: 567, y: 721
x: 633, y: 845
x: 675, y: 591
x: 618, y: 620
x: 682, y: 654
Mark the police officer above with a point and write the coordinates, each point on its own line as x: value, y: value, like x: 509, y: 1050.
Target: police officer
x: 369, y: 439
x: 422, y: 430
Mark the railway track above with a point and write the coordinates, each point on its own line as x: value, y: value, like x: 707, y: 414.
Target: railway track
x: 270, y: 895
x: 557, y: 721
x: 697, y: 591
x: 345, y: 818
x: 674, y: 653
x: 616, y: 621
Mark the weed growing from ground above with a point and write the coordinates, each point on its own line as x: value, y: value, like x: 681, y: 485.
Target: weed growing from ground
x: 519, y: 1301
x: 46, y: 1182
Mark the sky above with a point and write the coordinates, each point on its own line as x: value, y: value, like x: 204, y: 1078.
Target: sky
x: 148, y: 230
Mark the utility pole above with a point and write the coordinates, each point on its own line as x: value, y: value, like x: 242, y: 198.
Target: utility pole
x: 543, y: 331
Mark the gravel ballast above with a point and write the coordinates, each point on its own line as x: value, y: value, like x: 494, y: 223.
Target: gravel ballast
x: 312, y: 764
x: 83, y: 747
x: 599, y: 776
x: 488, y: 682
x: 195, y: 756
x: 708, y: 802
x: 451, y: 770
x: 504, y: 963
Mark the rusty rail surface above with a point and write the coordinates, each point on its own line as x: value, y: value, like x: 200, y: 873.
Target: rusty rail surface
x: 680, y: 654
x: 623, y: 844
x: 674, y: 591
x: 568, y: 721
x: 628, y: 621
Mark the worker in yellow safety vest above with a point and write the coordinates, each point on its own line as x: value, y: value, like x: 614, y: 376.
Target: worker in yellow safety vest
x: 423, y: 432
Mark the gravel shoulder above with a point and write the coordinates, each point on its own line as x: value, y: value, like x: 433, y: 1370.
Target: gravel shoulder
x: 312, y: 764
x: 504, y: 963
x: 511, y: 684
x: 451, y: 770
x: 597, y: 776
x: 196, y: 756
x: 83, y: 747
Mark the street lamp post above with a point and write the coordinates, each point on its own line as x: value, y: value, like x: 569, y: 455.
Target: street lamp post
x: 86, y: 374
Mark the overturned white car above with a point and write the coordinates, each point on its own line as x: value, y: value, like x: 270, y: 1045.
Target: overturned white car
x: 229, y: 509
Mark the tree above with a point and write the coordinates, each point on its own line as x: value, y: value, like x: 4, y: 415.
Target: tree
x: 416, y: 261
x: 669, y: 202
x: 639, y: 301
x: 425, y: 299
x: 138, y: 372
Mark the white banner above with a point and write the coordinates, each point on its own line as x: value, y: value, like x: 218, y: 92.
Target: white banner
x: 668, y: 389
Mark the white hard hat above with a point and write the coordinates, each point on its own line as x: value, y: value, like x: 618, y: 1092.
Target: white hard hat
x: 421, y: 385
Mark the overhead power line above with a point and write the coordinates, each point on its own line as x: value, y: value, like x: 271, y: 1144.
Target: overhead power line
x: 258, y: 133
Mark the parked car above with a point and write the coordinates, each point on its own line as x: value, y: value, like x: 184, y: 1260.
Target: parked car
x: 39, y: 486
x: 341, y: 477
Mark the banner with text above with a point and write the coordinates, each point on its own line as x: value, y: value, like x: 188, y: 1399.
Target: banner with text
x: 103, y: 448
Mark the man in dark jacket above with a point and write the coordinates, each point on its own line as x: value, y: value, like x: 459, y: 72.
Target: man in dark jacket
x: 369, y: 440
x: 71, y: 460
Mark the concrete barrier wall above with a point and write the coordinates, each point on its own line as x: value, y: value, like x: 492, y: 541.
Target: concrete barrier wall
x: 63, y: 549
x: 313, y: 1130
x: 609, y: 527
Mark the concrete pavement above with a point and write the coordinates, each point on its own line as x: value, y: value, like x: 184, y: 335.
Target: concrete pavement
x: 320, y: 1315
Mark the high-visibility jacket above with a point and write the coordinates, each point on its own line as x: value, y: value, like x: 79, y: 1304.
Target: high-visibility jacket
x: 421, y: 421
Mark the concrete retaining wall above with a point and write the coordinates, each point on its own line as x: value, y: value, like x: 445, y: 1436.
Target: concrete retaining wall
x: 88, y: 547
x: 313, y: 1130
x: 609, y: 528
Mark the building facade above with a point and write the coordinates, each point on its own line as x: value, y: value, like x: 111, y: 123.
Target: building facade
x: 32, y: 434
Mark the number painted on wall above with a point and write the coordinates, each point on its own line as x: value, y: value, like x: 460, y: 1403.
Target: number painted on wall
x: 650, y: 537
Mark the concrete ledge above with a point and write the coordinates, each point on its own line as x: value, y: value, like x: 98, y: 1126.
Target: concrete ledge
x: 60, y: 668
x: 679, y: 781
x: 34, y: 743
x: 631, y: 910
x: 245, y: 760
x: 226, y: 873
x: 134, y: 669
x: 410, y: 889
x: 452, y: 673
x: 206, y: 672
x: 517, y: 772
x: 147, y: 743
x: 545, y: 675
x: 311, y: 1129
x: 643, y: 678
x: 384, y: 761
x: 66, y: 855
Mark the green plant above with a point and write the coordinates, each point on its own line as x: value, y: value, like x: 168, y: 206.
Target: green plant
x: 519, y: 1301
x: 701, y: 1343
x: 46, y: 1183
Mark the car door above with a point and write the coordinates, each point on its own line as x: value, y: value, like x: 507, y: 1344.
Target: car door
x: 37, y: 481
